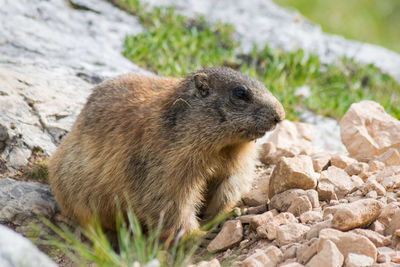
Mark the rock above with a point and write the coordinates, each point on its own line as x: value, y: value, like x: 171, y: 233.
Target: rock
x: 390, y: 157
x: 230, y: 235
x: 275, y: 254
x: 211, y: 263
x: 313, y: 197
x: 357, y: 260
x: 16, y: 250
x: 342, y: 182
x: 326, y: 191
x: 377, y: 239
x: 297, y: 172
x: 348, y: 242
x: 375, y: 166
x: 245, y: 219
x: 269, y: 229
x: 321, y: 161
x: 356, y: 214
x: 306, y: 251
x: 342, y: 161
x: 300, y: 205
x: 289, y: 233
x: 282, y: 201
x: 367, y: 130
x: 261, y: 220
x: 275, y: 157
x: 311, y: 217
x: 357, y: 168
x: 394, y: 223
x: 22, y: 201
x: 54, y: 58
x: 372, y: 184
x: 258, y: 195
x: 257, y: 209
x: 258, y: 259
x: 316, y: 228
x: 294, y: 137
x: 391, y: 182
x: 372, y: 194
x: 385, y: 254
x: 328, y: 256
x: 290, y: 251
x: 291, y: 264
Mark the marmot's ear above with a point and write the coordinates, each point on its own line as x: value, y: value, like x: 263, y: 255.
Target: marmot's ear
x: 201, y: 83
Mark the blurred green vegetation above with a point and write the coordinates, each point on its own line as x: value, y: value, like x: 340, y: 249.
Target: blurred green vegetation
x: 376, y: 22
x: 174, y: 45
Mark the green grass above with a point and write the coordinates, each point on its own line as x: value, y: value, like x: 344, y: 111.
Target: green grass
x: 174, y: 45
x: 132, y: 244
x: 376, y: 22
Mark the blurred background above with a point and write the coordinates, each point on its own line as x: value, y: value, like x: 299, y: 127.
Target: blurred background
x: 376, y: 22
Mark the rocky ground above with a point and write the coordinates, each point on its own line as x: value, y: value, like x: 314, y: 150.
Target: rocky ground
x: 321, y: 209
x: 324, y: 208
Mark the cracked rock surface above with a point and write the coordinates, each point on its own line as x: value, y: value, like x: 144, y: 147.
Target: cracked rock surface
x: 51, y: 54
x: 22, y: 201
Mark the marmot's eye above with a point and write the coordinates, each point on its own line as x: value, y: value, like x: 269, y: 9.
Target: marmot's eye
x: 241, y: 93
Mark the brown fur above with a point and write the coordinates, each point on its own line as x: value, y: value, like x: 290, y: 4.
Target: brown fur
x: 159, y: 144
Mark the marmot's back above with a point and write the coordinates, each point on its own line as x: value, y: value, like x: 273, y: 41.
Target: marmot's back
x: 163, y: 145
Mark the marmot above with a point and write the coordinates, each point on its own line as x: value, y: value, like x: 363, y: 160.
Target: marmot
x: 177, y: 146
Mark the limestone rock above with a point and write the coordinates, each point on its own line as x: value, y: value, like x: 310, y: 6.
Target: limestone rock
x: 295, y: 137
x: 375, y: 166
x: 390, y: 157
x: 341, y: 181
x: 269, y: 229
x: 297, y: 172
x: 356, y: 214
x: 357, y: 260
x: 348, y: 242
x: 300, y: 205
x: 258, y: 195
x: 289, y: 233
x: 326, y: 191
x: 311, y: 217
x: 306, y: 251
x: 328, y: 256
x: 316, y: 228
x: 230, y: 235
x: 275, y: 254
x: 48, y: 68
x: 357, y: 168
x: 211, y: 263
x: 282, y: 201
x: 16, y: 250
x: 261, y: 219
x: 372, y: 184
x: 394, y: 223
x: 313, y: 197
x: 258, y: 259
x: 377, y: 239
x: 321, y: 161
x: 342, y: 161
x: 22, y: 201
x: 367, y: 130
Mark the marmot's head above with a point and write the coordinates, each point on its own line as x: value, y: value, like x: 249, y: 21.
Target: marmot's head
x: 221, y: 104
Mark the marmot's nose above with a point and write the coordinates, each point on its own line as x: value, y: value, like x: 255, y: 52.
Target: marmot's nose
x: 279, y: 112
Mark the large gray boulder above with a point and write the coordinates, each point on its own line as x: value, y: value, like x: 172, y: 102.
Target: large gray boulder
x: 22, y: 202
x: 51, y: 54
x: 17, y: 251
